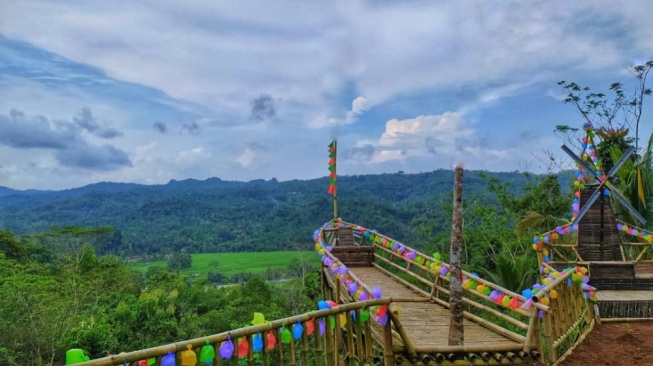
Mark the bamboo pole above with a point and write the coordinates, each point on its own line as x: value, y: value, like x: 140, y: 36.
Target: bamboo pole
x: 456, y: 309
x: 388, y: 355
x: 530, y: 333
x: 360, y: 352
x: 305, y: 348
x: 279, y: 345
x: 234, y: 356
x: 476, y: 348
x: 293, y: 361
x: 319, y: 351
x: 328, y: 334
x: 264, y: 351
x: 217, y: 360
x: 369, y: 341
x: 250, y: 351
x: 350, y: 340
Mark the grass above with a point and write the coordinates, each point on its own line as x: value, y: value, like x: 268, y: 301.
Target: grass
x: 232, y: 263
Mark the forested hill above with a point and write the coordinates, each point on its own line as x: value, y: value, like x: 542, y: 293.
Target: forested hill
x: 223, y: 216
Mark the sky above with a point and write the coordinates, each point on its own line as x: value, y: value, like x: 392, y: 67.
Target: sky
x: 146, y: 91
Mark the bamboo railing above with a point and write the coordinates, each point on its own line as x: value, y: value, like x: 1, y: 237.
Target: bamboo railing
x: 565, y: 253
x: 567, y: 315
x: 318, y: 348
x: 570, y: 315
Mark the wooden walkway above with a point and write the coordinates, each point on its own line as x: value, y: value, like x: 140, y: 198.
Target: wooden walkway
x: 427, y: 323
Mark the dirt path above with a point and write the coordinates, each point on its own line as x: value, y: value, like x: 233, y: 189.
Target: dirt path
x: 615, y: 344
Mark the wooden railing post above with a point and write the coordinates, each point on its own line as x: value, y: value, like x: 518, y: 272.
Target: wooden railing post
x: 388, y: 355
x: 330, y: 349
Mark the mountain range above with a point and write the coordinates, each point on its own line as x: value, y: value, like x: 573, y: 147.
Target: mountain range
x: 214, y: 215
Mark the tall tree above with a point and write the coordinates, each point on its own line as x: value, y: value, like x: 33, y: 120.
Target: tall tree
x: 456, y: 331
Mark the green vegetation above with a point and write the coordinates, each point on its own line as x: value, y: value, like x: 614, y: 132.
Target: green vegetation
x: 75, y: 299
x: 230, y: 264
x: 216, y: 216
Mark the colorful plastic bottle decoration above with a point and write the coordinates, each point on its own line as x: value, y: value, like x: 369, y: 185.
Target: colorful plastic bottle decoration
x: 272, y: 340
x: 322, y: 327
x: 365, y: 316
x: 286, y: 337
x: 258, y: 319
x: 75, y: 355
x: 310, y: 327
x: 297, y: 330
x: 188, y: 357
x: 257, y: 342
x: 207, y: 354
x: 169, y: 360
x: 227, y: 349
x: 243, y: 347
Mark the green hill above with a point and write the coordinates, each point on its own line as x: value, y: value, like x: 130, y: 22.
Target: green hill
x: 220, y: 216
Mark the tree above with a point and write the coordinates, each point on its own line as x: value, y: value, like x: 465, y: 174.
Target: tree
x: 10, y: 246
x: 456, y: 330
x: 179, y: 261
x: 625, y: 109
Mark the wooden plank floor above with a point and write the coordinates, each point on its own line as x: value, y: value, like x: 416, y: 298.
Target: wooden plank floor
x: 624, y: 295
x: 426, y: 324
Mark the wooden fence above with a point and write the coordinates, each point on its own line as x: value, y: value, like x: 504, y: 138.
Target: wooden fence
x: 325, y: 345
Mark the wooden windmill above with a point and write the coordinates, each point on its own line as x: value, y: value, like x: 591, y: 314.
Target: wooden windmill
x: 598, y: 237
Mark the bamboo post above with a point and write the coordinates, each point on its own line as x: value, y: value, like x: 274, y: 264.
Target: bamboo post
x: 234, y: 356
x: 338, y: 338
x: 250, y: 351
x: 328, y: 334
x: 548, y: 335
x: 279, y: 344
x: 530, y: 333
x: 350, y: 340
x: 217, y: 360
x: 264, y: 351
x: 319, y: 351
x: 388, y: 356
x: 360, y: 352
x: 293, y: 361
x: 368, y: 341
x: 305, y: 351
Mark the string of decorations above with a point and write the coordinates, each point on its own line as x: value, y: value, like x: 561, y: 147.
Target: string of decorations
x: 473, y: 283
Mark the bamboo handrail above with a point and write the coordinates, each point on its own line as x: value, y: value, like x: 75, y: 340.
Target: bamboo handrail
x: 465, y: 299
x: 514, y: 336
x: 233, y: 334
x: 469, y: 275
x: 402, y: 333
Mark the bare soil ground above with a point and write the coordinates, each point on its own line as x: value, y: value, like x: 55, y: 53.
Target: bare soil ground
x: 615, y: 344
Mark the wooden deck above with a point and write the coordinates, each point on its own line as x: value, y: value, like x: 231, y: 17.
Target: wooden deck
x: 625, y: 295
x: 427, y: 323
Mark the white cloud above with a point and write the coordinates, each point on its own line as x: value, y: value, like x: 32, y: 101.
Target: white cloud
x: 247, y: 157
x: 446, y: 136
x: 192, y: 156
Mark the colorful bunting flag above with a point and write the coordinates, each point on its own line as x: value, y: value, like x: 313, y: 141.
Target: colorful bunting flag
x: 332, y: 168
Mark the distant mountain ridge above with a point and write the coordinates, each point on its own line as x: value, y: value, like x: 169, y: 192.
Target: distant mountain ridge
x: 214, y: 215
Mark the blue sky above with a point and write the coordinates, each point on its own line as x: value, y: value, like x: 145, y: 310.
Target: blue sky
x: 147, y: 91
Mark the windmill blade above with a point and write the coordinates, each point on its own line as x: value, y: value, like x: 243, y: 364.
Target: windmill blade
x: 621, y: 161
x: 578, y: 160
x: 587, y: 205
x: 624, y: 202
